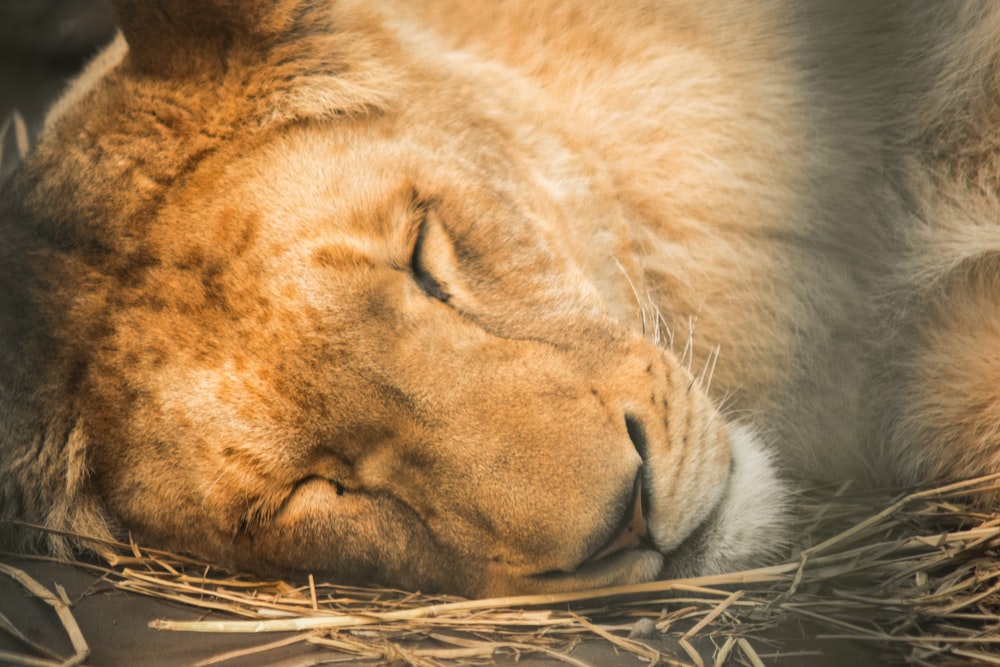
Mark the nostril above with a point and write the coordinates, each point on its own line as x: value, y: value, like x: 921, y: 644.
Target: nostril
x: 637, y: 434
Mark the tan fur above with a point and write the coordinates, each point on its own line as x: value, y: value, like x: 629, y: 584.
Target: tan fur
x: 413, y: 293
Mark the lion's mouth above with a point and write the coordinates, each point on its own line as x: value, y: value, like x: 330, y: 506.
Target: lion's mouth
x: 631, y: 529
x: 627, y: 556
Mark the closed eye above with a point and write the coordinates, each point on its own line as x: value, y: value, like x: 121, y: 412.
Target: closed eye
x: 431, y: 286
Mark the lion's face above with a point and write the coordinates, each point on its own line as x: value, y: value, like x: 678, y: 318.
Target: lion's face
x: 347, y: 354
x: 377, y: 345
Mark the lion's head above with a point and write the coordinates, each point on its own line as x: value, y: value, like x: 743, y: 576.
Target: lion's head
x: 284, y: 293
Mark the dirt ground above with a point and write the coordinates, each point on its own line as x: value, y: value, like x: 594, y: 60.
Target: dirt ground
x: 42, y: 44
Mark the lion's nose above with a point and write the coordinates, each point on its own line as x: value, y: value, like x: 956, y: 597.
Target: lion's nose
x: 637, y: 434
x: 631, y: 528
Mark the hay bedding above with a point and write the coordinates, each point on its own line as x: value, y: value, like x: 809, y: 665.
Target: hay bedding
x: 919, y: 579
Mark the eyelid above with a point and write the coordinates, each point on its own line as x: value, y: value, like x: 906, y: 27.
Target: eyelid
x: 424, y: 278
x: 412, y: 219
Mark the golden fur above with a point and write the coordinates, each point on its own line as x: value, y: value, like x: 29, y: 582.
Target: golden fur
x: 425, y: 293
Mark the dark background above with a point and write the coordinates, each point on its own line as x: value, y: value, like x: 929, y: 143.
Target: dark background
x: 43, y: 44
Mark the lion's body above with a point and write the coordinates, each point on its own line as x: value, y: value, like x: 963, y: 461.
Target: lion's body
x: 382, y: 289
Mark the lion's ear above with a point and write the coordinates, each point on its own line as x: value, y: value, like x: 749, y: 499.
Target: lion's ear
x: 172, y: 38
x: 292, y: 59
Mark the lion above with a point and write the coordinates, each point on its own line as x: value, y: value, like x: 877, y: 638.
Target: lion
x: 497, y: 298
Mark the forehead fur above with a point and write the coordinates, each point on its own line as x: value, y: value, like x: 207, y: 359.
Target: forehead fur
x: 140, y: 123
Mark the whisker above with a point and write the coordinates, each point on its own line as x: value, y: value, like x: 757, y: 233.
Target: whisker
x: 635, y: 293
x: 708, y: 371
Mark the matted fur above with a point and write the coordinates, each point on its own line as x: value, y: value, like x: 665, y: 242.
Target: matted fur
x: 415, y: 292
